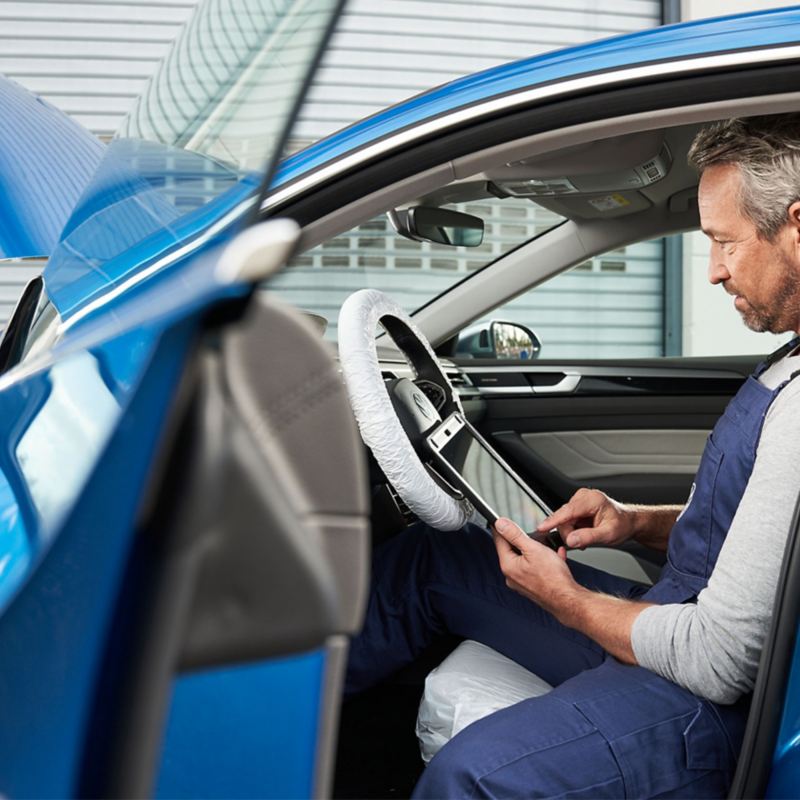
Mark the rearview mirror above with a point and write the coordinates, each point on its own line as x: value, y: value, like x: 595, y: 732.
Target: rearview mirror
x: 497, y: 339
x: 439, y: 225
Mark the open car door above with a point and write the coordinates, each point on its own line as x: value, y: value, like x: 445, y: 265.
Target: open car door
x: 181, y: 489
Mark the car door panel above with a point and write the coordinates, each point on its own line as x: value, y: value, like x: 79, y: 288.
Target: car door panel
x: 635, y: 430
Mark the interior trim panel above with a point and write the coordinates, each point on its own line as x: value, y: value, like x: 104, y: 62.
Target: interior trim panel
x: 587, y: 455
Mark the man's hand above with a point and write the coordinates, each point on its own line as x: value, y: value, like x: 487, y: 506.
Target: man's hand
x: 536, y: 572
x: 591, y: 518
x: 532, y: 569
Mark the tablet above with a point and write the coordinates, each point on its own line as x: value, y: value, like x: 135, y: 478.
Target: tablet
x: 469, y: 463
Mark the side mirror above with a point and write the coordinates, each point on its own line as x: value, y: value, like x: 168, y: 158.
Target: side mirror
x: 498, y: 340
x: 439, y: 225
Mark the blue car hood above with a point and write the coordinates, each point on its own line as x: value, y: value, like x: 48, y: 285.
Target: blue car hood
x: 46, y: 161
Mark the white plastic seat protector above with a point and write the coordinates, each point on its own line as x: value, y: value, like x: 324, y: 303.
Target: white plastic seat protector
x: 471, y: 683
x: 377, y: 420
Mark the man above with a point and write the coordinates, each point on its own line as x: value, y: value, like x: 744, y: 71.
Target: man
x: 651, y: 684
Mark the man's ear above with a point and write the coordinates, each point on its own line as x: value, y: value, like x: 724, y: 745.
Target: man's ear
x: 794, y: 220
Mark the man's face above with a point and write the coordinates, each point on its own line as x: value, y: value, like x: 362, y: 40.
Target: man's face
x: 762, y: 276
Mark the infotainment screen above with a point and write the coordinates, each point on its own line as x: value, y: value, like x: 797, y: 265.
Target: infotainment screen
x: 472, y: 466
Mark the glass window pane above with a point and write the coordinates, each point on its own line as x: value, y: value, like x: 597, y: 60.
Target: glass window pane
x: 373, y: 255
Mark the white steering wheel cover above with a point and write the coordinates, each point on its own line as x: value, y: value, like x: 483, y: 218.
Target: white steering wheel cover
x: 377, y: 420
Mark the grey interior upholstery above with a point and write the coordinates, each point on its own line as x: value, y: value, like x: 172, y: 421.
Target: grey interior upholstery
x: 287, y: 392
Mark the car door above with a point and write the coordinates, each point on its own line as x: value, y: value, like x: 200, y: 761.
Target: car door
x: 165, y: 612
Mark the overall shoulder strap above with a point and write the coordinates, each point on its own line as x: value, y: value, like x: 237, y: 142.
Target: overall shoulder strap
x: 782, y: 351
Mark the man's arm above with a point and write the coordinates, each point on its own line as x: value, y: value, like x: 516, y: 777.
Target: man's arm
x: 593, y: 518
x: 654, y: 524
x: 542, y: 576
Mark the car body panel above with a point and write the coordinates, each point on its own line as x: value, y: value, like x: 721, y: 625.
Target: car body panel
x: 46, y: 160
x: 55, y: 630
x: 278, y: 704
x: 67, y: 406
x: 786, y: 760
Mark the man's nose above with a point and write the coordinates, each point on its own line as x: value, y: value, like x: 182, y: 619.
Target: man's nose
x: 717, y: 271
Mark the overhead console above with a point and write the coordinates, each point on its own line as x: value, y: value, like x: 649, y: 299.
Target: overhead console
x: 594, y: 179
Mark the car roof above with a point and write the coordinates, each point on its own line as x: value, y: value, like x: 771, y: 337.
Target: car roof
x: 772, y: 28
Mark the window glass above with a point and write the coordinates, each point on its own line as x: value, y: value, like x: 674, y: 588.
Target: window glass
x: 610, y: 306
x: 634, y: 302
x: 373, y: 255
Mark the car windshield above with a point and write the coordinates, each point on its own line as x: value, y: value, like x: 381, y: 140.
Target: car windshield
x: 373, y: 255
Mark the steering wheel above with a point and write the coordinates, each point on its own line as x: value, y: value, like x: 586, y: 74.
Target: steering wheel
x: 394, y: 417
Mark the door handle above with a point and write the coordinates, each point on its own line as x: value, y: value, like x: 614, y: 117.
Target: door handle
x: 569, y: 383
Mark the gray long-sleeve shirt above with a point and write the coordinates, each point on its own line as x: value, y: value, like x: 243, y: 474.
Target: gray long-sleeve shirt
x: 713, y: 647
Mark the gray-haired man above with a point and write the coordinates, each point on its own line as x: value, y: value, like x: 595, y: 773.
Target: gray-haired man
x: 652, y: 684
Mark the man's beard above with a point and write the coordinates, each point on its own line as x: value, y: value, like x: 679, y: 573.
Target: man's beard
x: 783, y: 312
x: 762, y: 320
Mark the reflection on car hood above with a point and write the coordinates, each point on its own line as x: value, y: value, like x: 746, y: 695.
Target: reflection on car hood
x: 138, y: 217
x: 46, y: 161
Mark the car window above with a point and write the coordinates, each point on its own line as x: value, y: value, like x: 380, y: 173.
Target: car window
x: 637, y: 301
x: 373, y: 255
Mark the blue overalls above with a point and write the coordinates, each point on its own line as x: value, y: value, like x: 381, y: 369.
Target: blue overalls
x: 607, y: 729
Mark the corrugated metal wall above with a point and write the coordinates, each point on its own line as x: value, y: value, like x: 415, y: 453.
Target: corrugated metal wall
x: 387, y: 50
x: 89, y: 58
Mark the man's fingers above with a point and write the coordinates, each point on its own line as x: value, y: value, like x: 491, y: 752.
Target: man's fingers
x: 584, y: 537
x: 564, y: 516
x: 512, y: 533
x: 583, y: 504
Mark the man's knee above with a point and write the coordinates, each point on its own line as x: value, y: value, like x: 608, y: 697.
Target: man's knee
x: 537, y: 748
x: 452, y: 771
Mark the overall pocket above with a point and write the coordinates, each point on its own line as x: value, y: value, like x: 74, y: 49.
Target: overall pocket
x: 693, y: 547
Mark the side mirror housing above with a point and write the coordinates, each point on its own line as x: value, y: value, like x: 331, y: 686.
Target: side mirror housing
x: 499, y: 340
x: 439, y: 225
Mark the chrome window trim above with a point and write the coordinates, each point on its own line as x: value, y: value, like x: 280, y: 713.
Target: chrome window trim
x: 561, y: 88
x: 612, y: 370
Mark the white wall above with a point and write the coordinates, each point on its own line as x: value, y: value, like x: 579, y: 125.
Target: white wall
x: 698, y: 9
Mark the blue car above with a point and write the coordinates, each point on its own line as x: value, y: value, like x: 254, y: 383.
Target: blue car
x: 186, y: 506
